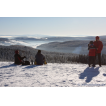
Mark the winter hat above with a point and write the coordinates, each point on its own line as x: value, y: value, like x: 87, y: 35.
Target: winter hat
x: 91, y: 42
x: 39, y: 51
x: 97, y: 37
x: 16, y: 52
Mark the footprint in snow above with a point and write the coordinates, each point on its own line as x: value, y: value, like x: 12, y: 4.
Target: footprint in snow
x: 63, y: 81
x: 104, y: 74
x: 6, y: 85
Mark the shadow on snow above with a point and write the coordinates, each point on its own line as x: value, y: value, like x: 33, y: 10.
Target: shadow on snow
x: 8, y: 66
x: 104, y: 74
x: 28, y: 66
x: 89, y: 73
x: 32, y: 66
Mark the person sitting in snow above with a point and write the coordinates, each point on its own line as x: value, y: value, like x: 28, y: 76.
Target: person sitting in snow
x: 92, y: 53
x: 39, y: 58
x: 18, y: 59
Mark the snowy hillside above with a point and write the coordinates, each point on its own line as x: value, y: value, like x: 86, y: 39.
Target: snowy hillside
x: 51, y: 75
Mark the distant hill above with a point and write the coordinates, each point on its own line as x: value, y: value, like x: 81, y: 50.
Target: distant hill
x: 76, y: 46
x: 7, y: 53
x: 48, y: 38
x: 30, y: 38
x: 4, y: 39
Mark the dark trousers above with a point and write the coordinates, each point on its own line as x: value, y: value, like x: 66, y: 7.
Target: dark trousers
x: 92, y: 60
x: 99, y: 58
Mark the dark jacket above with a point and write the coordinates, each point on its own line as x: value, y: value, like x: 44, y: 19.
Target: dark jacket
x: 99, y: 46
x: 39, y: 58
x: 18, y: 59
x: 92, y: 50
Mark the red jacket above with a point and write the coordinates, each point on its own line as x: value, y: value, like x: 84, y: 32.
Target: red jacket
x: 92, y: 50
x: 99, y: 46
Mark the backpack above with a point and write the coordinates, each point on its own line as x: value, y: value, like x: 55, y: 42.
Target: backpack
x: 26, y: 63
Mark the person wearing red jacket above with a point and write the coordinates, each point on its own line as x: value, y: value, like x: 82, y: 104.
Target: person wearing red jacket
x: 92, y: 53
x: 99, y: 46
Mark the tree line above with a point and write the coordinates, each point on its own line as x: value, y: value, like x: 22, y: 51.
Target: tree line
x: 7, y: 54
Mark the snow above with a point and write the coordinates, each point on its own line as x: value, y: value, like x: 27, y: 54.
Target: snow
x: 52, y: 75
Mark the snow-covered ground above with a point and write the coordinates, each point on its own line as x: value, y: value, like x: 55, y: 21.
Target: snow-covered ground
x: 52, y: 75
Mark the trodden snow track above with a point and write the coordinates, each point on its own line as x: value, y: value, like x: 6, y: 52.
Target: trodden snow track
x: 52, y: 75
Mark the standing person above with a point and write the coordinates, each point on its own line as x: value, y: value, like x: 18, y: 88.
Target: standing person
x: 92, y: 53
x: 99, y: 46
x: 18, y: 59
x: 39, y: 58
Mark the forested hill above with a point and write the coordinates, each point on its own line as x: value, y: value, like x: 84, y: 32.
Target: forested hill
x: 7, y: 54
x: 76, y: 46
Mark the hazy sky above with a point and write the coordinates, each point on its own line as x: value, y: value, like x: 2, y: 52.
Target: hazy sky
x: 53, y: 26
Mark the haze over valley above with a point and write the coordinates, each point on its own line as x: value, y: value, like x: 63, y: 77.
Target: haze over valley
x: 76, y: 45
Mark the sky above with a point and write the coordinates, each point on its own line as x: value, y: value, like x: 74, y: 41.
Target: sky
x: 53, y: 26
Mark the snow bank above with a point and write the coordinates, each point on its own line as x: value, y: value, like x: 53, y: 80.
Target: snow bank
x: 51, y: 75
